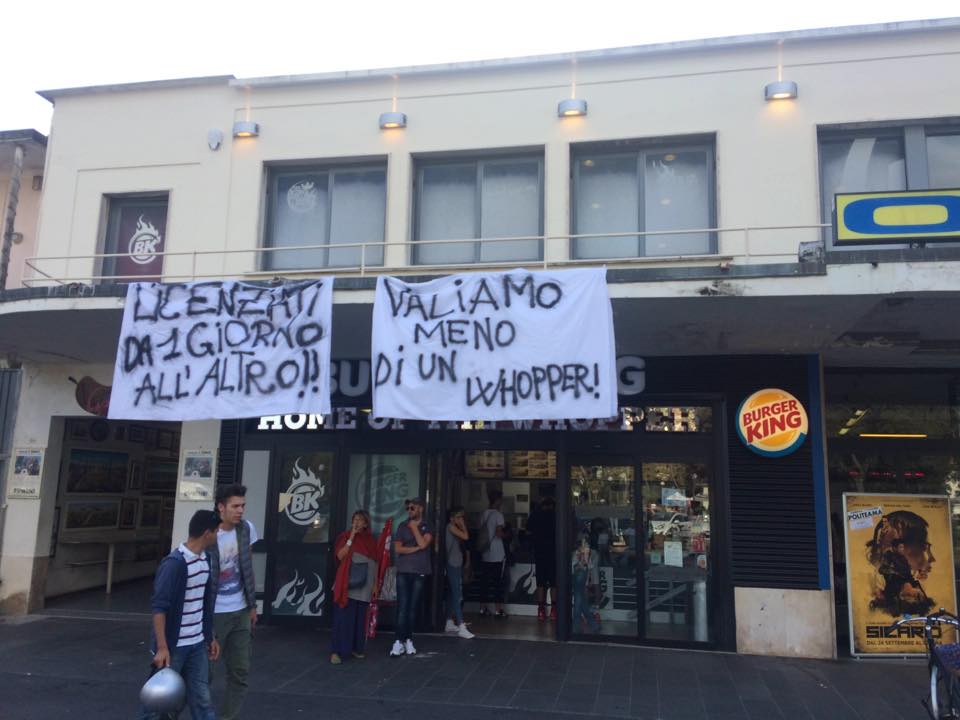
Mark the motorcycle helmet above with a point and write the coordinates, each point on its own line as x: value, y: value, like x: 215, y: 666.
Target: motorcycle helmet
x: 164, y: 692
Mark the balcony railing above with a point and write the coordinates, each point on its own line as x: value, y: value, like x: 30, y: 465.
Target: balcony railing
x: 736, y: 245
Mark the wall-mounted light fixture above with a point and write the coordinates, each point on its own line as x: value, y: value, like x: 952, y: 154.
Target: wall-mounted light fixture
x: 245, y: 129
x: 572, y: 107
x: 780, y: 90
x: 392, y: 120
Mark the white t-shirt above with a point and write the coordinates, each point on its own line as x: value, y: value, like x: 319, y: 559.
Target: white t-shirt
x: 191, y: 624
x: 493, y: 519
x: 230, y: 588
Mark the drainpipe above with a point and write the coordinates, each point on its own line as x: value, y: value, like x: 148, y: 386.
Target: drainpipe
x: 13, y: 198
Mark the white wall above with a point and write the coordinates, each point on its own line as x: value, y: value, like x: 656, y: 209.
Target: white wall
x: 155, y: 139
x: 46, y: 396
x: 199, y: 435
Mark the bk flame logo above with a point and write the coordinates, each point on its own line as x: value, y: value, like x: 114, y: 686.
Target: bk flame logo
x: 144, y: 241
x: 297, y: 597
x: 302, y: 499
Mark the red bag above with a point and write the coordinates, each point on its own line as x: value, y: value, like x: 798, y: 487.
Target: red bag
x: 373, y: 610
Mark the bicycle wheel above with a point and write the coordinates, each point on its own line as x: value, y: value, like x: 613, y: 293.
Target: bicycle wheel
x: 944, y: 700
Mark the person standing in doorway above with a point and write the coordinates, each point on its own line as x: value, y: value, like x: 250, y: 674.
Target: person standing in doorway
x: 542, y: 527
x: 356, y: 553
x: 411, y: 545
x: 184, y: 593
x: 456, y: 535
x: 231, y: 565
x: 494, y: 555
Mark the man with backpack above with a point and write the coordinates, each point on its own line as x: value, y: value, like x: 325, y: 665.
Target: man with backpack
x: 493, y: 555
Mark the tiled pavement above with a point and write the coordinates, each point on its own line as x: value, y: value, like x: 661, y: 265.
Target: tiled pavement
x: 81, y: 667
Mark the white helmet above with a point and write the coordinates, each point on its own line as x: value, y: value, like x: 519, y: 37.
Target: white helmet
x: 164, y: 692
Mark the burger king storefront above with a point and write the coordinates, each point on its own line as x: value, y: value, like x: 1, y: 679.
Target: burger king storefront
x: 689, y: 503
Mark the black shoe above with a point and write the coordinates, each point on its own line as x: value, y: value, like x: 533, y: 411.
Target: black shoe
x: 500, y: 615
x: 485, y: 613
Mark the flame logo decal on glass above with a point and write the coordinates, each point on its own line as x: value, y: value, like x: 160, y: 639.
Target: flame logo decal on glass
x: 302, y: 197
x: 300, y: 596
x: 144, y: 241
x: 301, y: 501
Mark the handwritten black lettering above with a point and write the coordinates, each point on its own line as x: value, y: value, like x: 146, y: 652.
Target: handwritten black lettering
x: 185, y: 342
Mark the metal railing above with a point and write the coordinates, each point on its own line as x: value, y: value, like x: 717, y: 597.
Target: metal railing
x: 734, y: 245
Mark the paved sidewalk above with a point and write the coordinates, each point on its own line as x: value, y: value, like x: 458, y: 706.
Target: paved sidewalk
x: 55, y: 667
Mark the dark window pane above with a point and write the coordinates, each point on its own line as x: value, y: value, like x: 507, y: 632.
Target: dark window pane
x: 358, y: 215
x: 862, y: 164
x: 677, y: 196
x: 943, y: 159
x: 447, y: 210
x: 299, y: 214
x: 607, y: 201
x: 136, y: 227
x: 510, y: 207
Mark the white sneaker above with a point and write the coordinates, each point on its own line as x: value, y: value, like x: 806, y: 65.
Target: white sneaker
x: 451, y: 626
x: 397, y: 649
x: 408, y: 646
x: 464, y: 633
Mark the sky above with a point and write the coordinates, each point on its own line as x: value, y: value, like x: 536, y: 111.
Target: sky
x: 50, y: 45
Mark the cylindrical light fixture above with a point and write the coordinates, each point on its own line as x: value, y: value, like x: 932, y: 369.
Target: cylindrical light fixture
x: 245, y: 129
x: 780, y: 90
x: 392, y: 120
x: 572, y: 107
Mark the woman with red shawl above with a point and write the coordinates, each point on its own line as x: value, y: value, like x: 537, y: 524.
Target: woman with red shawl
x: 356, y: 553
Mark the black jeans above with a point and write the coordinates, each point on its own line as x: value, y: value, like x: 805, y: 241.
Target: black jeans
x: 493, y: 581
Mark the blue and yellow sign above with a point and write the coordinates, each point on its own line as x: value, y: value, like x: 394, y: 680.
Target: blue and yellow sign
x: 897, y: 217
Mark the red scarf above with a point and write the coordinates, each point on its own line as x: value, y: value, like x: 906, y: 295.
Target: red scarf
x: 364, y: 544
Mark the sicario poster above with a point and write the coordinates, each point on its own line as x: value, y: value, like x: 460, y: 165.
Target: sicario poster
x: 899, y: 563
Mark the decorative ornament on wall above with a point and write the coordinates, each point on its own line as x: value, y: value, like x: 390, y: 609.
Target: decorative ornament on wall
x: 92, y: 396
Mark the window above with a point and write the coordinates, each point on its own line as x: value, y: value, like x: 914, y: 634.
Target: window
x: 464, y: 199
x: 325, y: 207
x: 136, y: 228
x: 644, y: 189
x: 915, y: 156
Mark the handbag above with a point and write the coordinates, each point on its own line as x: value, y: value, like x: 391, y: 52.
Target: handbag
x: 358, y: 575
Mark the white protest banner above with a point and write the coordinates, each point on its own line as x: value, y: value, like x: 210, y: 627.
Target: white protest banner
x: 224, y: 349
x: 515, y: 345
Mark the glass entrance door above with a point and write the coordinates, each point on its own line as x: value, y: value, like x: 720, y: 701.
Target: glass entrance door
x: 603, y: 564
x: 676, y: 551
x: 641, y: 561
x: 301, y: 535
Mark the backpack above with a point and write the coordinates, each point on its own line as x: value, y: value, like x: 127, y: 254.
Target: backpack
x: 483, y: 537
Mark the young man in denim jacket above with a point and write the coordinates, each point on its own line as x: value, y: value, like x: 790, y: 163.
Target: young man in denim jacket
x: 183, y: 600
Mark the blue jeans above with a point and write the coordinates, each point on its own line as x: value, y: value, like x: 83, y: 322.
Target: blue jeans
x: 581, y: 605
x: 455, y: 593
x: 409, y: 588
x: 194, y: 667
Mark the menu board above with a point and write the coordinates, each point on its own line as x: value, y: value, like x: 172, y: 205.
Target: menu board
x: 485, y: 463
x: 533, y: 464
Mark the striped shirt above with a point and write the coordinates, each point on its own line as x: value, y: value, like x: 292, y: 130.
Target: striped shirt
x: 191, y: 624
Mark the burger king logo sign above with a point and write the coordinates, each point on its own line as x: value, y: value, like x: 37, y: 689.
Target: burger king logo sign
x: 772, y: 422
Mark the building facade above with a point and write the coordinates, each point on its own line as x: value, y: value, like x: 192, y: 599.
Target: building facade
x: 710, y: 204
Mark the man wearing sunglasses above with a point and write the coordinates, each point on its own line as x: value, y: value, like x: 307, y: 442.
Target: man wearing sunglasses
x: 411, y: 546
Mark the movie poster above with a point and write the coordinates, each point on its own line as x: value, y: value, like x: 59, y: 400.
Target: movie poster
x: 899, y: 562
